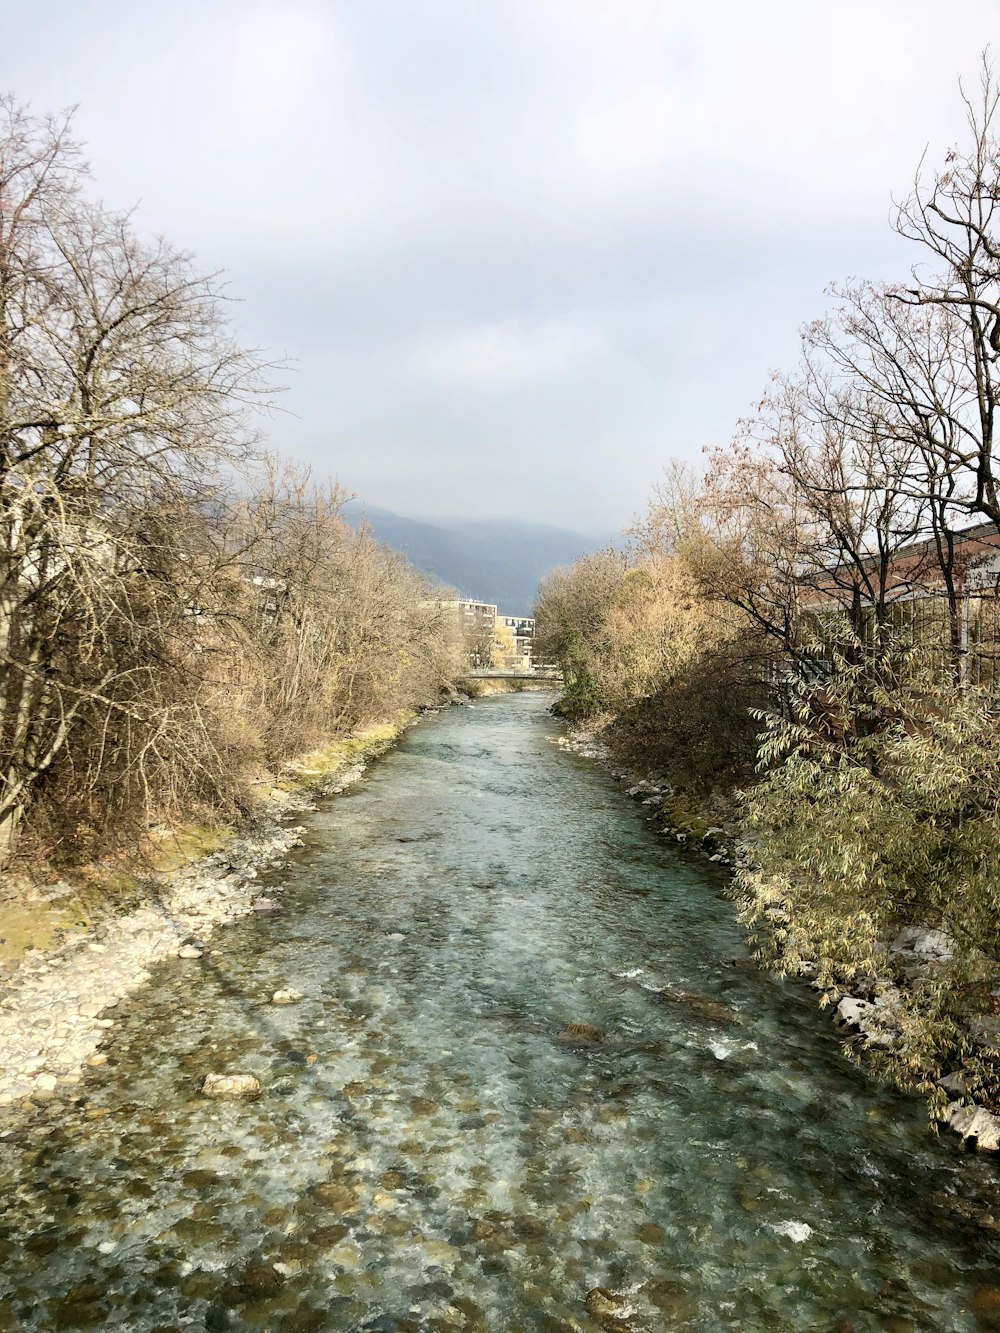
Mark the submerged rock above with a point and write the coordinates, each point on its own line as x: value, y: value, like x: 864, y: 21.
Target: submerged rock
x: 261, y: 1280
x: 609, y: 1308
x: 651, y: 1234
x: 700, y: 1005
x: 230, y: 1085
x: 583, y: 1033
x: 190, y: 951
x: 985, y: 1305
x: 288, y: 996
x: 267, y: 907
x: 335, y: 1195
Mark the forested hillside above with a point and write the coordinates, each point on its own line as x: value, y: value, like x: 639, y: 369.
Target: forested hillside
x: 491, y: 560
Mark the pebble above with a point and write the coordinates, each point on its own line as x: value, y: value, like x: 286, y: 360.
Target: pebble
x: 604, y: 1304
x: 230, y: 1085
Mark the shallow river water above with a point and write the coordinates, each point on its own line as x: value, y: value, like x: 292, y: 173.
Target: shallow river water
x: 432, y: 1150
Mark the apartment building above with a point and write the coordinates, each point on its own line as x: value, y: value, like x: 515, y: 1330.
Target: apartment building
x: 522, y: 629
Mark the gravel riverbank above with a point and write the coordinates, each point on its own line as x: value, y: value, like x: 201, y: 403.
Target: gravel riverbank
x: 59, y: 1004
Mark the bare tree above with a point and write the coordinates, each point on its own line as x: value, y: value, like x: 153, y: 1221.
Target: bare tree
x: 122, y: 397
x: 953, y: 217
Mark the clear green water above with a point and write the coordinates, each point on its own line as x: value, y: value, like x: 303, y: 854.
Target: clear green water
x: 481, y: 889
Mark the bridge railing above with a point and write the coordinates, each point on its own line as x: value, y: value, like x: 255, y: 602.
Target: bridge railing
x: 491, y: 673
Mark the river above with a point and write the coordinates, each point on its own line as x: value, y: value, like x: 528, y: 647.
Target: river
x: 434, y: 1151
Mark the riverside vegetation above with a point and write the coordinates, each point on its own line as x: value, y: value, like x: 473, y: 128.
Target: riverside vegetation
x: 805, y: 635
x: 179, y: 615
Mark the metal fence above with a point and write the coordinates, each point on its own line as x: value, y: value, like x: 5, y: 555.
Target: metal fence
x: 926, y: 623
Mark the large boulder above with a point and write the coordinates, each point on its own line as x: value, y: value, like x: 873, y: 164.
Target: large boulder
x: 978, y: 1128
x: 985, y: 1029
x: 954, y: 1084
x: 875, y: 1021
x: 922, y: 951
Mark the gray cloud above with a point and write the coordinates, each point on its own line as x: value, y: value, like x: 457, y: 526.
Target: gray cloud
x: 521, y: 253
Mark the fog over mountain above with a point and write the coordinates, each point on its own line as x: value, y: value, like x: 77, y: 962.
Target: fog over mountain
x: 492, y: 560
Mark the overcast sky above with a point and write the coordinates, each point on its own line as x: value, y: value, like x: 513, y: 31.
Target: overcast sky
x: 519, y: 252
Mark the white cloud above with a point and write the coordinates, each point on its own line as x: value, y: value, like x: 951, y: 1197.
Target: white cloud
x: 503, y: 357
x: 575, y: 232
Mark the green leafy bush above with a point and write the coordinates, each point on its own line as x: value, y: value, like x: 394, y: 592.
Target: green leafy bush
x: 879, y: 808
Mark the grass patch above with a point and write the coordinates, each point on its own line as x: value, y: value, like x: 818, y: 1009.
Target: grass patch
x: 113, y: 886
x: 678, y: 813
x: 185, y: 844
x: 26, y: 926
x: 365, y: 743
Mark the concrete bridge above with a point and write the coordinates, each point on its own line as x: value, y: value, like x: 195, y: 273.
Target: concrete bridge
x: 537, y: 673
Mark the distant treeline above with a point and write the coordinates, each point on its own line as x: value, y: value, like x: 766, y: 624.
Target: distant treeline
x: 177, y: 612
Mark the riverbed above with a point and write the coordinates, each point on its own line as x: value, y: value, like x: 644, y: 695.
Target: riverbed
x: 532, y: 1060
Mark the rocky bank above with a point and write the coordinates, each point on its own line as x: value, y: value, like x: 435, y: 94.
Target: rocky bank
x: 59, y: 1005
x: 869, y: 1021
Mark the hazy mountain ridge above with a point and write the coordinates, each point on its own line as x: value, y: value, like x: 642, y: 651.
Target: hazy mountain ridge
x: 490, y: 559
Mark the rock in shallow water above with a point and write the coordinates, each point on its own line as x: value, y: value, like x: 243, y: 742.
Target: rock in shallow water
x: 288, y: 996
x: 610, y: 1309
x: 230, y: 1085
x: 583, y: 1033
x: 334, y: 1195
x: 261, y: 1280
